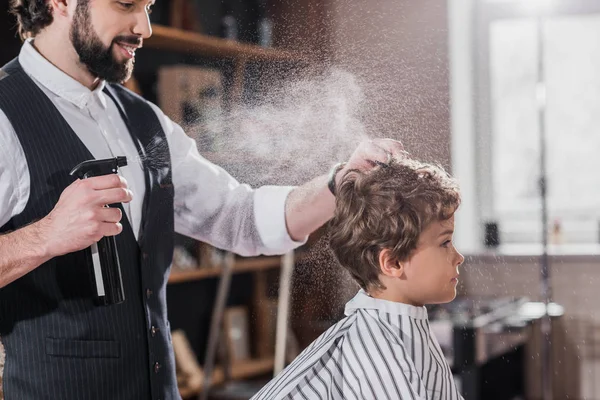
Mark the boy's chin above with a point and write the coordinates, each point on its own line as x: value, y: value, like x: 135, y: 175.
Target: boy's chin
x: 446, y: 298
x: 452, y: 296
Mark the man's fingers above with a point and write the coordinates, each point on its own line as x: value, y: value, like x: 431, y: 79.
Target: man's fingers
x: 111, y: 229
x: 111, y: 196
x: 390, y: 144
x: 111, y: 215
x: 105, y: 182
x: 394, y: 147
x: 373, y: 153
x: 377, y: 152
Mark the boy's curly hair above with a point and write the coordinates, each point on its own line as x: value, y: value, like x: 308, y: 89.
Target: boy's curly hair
x: 32, y: 16
x: 387, y: 208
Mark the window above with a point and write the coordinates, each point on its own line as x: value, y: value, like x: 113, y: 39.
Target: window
x: 507, y: 49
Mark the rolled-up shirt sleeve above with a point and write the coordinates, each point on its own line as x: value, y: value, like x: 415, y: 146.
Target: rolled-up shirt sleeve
x: 213, y: 207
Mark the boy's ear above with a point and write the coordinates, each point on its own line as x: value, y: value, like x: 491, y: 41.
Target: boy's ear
x: 389, y: 265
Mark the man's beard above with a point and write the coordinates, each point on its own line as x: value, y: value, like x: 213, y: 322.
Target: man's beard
x: 93, y: 54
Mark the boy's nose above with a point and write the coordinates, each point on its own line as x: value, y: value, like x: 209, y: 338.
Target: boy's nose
x: 460, y: 258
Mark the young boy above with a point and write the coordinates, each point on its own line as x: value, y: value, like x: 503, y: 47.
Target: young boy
x: 392, y: 230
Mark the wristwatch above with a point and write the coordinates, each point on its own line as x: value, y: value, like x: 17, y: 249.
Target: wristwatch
x: 332, y: 175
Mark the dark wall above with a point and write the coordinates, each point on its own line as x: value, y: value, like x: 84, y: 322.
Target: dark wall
x: 400, y: 47
x: 9, y: 40
x: 303, y: 25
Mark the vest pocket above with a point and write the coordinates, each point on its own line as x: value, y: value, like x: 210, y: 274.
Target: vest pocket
x: 83, y: 348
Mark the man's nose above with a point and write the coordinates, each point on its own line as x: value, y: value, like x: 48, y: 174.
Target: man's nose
x: 142, y: 26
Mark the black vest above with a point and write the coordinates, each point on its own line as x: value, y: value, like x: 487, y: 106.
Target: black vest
x: 59, y: 345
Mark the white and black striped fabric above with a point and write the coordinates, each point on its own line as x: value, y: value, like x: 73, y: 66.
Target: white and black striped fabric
x: 381, y: 350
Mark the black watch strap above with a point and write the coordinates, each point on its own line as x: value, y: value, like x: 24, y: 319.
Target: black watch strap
x: 332, y: 174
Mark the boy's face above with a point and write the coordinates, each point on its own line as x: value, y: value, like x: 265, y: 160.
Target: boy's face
x: 105, y: 34
x: 432, y: 271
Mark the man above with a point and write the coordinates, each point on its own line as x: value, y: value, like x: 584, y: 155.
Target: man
x: 59, y: 107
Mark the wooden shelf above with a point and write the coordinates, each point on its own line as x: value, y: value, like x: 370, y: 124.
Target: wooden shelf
x: 239, y: 370
x: 172, y: 39
x: 241, y: 265
x: 251, y: 368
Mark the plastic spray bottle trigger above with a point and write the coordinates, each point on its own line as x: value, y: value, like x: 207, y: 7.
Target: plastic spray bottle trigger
x: 105, y: 259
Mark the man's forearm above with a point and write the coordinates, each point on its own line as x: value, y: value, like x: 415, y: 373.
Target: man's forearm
x: 21, y: 252
x: 308, y: 207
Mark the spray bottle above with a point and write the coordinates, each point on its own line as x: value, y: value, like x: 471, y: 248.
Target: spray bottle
x: 105, y: 259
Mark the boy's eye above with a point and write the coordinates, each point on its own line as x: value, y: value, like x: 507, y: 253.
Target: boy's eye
x: 126, y: 5
x: 446, y: 243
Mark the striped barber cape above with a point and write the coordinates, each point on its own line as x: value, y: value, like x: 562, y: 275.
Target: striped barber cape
x: 381, y: 350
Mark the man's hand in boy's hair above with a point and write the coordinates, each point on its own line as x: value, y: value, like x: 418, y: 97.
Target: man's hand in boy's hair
x: 370, y: 153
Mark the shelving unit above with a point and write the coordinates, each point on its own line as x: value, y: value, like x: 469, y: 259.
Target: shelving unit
x: 239, y: 55
x: 171, y: 39
x: 243, y: 265
x: 250, y: 264
x: 239, y: 370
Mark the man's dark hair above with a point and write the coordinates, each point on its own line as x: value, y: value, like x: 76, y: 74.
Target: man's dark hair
x: 32, y: 16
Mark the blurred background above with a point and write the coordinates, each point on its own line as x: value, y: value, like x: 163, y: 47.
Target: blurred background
x: 505, y: 94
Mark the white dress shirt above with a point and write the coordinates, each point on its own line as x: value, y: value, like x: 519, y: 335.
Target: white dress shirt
x: 210, y: 205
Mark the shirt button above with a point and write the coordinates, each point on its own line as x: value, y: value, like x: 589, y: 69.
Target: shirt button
x: 156, y: 367
x: 148, y: 293
x: 145, y: 255
x: 153, y: 330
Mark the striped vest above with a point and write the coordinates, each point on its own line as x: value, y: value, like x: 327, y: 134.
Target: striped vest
x: 58, y: 344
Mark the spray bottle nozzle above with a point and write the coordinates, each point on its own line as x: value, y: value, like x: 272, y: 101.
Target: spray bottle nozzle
x: 91, y: 168
x: 121, y: 161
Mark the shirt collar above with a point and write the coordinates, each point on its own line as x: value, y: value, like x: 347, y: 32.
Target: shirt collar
x: 362, y: 301
x: 56, y: 81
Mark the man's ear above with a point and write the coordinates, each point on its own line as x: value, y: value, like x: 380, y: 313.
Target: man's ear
x: 389, y: 265
x: 61, y: 6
